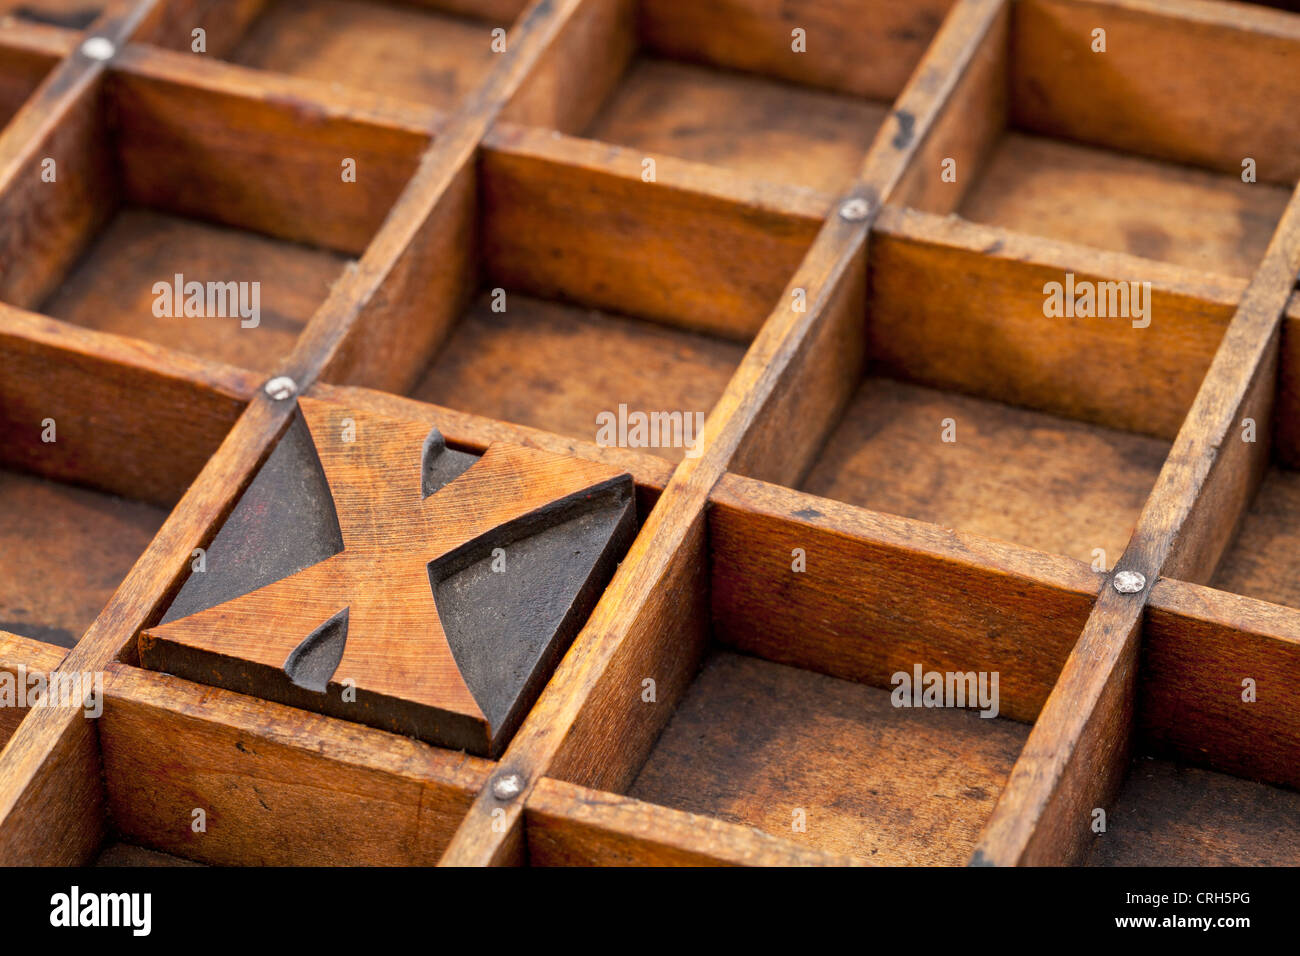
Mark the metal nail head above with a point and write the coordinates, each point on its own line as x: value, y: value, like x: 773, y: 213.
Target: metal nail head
x: 98, y: 48
x: 281, y: 387
x: 508, y: 787
x: 1129, y: 582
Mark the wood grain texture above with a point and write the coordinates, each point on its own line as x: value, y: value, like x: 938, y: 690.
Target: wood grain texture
x: 278, y: 786
x: 759, y: 128
x: 1039, y: 481
x: 558, y: 367
x: 571, y: 220
x: 1171, y: 815
x: 48, y: 224
x: 1202, y: 649
x: 130, y: 417
x: 1264, y: 560
x: 63, y: 552
x: 407, y: 671
x: 20, y: 658
x: 575, y: 826
x: 752, y: 742
x: 128, y: 855
x: 196, y: 142
x: 49, y: 771
x: 1204, y: 84
x: 401, y: 50
x: 112, y: 287
x: 21, y: 71
x: 1076, y: 754
x: 866, y: 56
x: 880, y: 593
x: 576, y: 73
x: 468, y: 432
x: 375, y: 329
x: 964, y: 131
x: 960, y: 306
x: 646, y: 600
x: 1211, y: 222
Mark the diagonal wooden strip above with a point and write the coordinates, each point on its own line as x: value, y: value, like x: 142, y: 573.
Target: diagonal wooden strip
x: 1075, y: 757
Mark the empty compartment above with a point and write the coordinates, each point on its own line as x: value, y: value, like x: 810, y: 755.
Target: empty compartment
x: 1132, y: 130
x: 96, y: 450
x: 793, y: 96
x: 215, y: 239
x: 564, y: 368
x: 1168, y: 814
x: 584, y: 312
x: 971, y: 464
x: 831, y: 762
x: 420, y: 50
x: 840, y: 705
x: 63, y: 552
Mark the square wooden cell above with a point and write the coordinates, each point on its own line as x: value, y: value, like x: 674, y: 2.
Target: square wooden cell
x: 1036, y: 479
x: 776, y: 748
x: 1169, y: 814
x: 416, y: 51
x: 219, y: 240
x: 559, y: 367
x: 1067, y: 143
x: 64, y: 549
x: 792, y: 96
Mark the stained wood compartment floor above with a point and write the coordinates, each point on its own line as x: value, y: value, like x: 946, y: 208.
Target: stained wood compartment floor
x: 407, y: 50
x: 1208, y: 221
x: 1172, y: 815
x: 117, y: 853
x: 63, y: 551
x: 763, y: 128
x: 1264, y: 560
x: 556, y: 367
x: 753, y: 741
x: 111, y: 288
x: 1033, y: 479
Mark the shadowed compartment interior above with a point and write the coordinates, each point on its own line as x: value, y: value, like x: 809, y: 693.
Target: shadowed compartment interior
x: 1069, y: 147
x: 197, y: 219
x: 425, y: 52
x: 831, y: 763
x: 793, y: 96
x: 1169, y: 814
x: 558, y: 367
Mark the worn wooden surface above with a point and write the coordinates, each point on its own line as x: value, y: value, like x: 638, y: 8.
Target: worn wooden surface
x: 354, y: 631
x: 574, y: 826
x: 559, y: 367
x: 1122, y: 166
x: 268, y: 777
x: 776, y: 747
x: 1172, y: 815
x: 1025, y: 477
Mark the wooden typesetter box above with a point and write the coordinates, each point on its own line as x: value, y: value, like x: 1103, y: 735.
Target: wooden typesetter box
x: 988, y: 309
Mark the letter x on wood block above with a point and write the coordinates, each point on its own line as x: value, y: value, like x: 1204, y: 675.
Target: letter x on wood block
x: 371, y: 573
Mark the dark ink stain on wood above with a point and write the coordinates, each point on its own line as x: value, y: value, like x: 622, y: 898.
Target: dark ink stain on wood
x: 59, y: 636
x: 906, y: 127
x: 807, y: 513
x: 69, y: 20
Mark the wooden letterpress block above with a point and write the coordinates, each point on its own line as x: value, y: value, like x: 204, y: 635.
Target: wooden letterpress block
x: 371, y: 573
